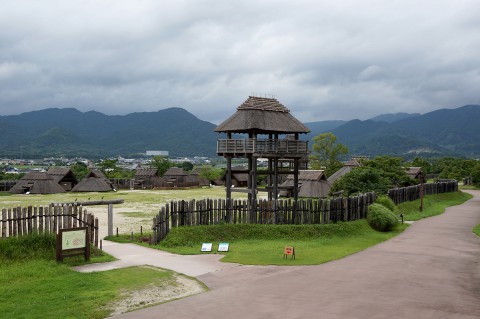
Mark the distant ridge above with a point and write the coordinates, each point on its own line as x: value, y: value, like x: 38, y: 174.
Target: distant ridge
x: 71, y: 133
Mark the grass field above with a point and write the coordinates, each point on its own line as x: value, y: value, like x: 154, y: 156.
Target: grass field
x: 34, y: 285
x: 138, y: 209
x: 314, y: 244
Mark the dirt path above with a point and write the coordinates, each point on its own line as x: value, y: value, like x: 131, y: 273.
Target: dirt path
x: 432, y: 270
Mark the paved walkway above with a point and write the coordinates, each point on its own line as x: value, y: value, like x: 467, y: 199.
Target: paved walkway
x: 432, y: 270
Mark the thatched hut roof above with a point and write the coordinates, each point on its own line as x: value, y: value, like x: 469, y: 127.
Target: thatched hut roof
x: 37, y: 183
x: 174, y: 172
x: 311, y: 183
x: 414, y: 172
x: 262, y: 116
x: 146, y: 173
x: 96, y: 173
x: 93, y: 184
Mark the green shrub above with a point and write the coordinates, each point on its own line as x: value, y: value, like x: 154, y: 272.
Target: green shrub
x: 387, y: 202
x: 381, y: 218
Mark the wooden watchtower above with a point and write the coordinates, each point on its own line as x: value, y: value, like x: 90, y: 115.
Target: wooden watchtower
x: 265, y: 129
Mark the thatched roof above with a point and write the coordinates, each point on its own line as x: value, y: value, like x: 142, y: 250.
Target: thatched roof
x: 62, y: 174
x: 145, y: 173
x: 262, y: 116
x: 311, y: 183
x: 93, y: 184
x: 414, y: 172
x: 96, y: 173
x: 37, y: 183
x: 175, y: 171
x: 347, y: 168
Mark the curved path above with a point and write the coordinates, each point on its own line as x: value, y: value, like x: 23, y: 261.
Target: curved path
x: 432, y: 270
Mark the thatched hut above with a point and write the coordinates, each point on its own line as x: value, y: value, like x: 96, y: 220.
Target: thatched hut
x: 93, y: 184
x: 273, y: 133
x: 416, y: 173
x: 37, y: 183
x: 311, y: 183
x: 63, y: 176
x: 175, y: 175
x: 347, y: 168
x: 147, y: 178
x: 95, y: 181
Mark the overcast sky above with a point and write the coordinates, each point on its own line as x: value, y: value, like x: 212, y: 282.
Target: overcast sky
x: 323, y: 60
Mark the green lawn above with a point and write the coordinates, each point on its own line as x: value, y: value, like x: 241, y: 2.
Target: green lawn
x: 476, y: 230
x: 432, y: 205
x: 34, y: 285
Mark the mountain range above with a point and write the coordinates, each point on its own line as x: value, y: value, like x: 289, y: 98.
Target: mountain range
x: 70, y: 133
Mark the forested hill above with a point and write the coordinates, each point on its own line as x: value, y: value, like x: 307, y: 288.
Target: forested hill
x: 445, y: 132
x: 69, y: 132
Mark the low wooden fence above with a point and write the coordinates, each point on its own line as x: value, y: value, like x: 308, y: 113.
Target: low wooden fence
x: 20, y: 221
x: 215, y: 211
x: 411, y: 193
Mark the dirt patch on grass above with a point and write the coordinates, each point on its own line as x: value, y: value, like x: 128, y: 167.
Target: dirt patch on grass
x: 178, y: 287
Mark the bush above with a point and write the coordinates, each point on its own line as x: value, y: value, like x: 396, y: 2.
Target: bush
x: 381, y: 218
x: 387, y: 202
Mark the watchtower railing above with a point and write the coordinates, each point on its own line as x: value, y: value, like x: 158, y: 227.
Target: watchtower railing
x: 251, y: 145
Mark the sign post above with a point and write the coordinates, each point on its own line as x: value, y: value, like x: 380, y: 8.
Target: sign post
x: 289, y: 250
x: 73, y: 242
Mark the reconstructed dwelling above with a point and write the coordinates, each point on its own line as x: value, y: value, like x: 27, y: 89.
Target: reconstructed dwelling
x: 266, y: 130
x: 311, y: 183
x: 37, y: 183
x: 95, y: 181
x: 63, y: 176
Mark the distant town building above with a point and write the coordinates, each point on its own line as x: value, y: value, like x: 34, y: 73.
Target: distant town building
x: 156, y: 153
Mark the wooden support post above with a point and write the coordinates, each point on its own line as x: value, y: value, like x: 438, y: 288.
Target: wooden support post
x: 110, y: 219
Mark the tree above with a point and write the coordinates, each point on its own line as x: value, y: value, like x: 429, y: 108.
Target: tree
x: 326, y: 153
x: 211, y: 173
x: 187, y: 166
x: 79, y: 169
x: 362, y: 180
x: 393, y: 168
x: 161, y: 163
x: 475, y: 173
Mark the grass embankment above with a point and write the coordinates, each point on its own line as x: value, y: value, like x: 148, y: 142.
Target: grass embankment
x: 34, y: 285
x: 264, y: 244
x: 476, y: 230
x: 432, y: 205
x: 314, y: 244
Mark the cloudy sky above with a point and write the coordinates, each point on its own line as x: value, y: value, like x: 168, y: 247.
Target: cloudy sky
x: 324, y: 60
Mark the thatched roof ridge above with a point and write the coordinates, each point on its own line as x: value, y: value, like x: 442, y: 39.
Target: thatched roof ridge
x: 93, y: 184
x: 58, y: 171
x: 175, y: 171
x: 96, y: 173
x: 146, y: 172
x: 37, y: 176
x: 37, y: 183
x: 263, y: 116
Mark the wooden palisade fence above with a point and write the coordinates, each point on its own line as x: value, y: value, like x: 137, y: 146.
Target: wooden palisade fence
x: 20, y: 221
x: 215, y: 211
x: 411, y: 193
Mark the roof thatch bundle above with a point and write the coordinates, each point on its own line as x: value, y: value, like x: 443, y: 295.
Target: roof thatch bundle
x: 37, y: 183
x: 144, y: 173
x: 96, y: 173
x: 93, y: 184
x: 262, y: 116
x: 175, y: 172
x: 311, y: 183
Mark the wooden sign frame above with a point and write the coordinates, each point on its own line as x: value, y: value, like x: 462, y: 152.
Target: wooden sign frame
x: 289, y: 250
x: 73, y: 242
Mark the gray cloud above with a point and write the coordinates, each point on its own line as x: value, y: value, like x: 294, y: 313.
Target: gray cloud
x: 323, y: 60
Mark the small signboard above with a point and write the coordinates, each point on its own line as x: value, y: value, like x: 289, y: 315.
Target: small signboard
x: 73, y: 242
x: 223, y: 247
x: 289, y: 250
x: 207, y: 247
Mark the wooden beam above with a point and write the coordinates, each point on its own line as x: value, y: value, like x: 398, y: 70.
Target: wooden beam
x: 92, y: 203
